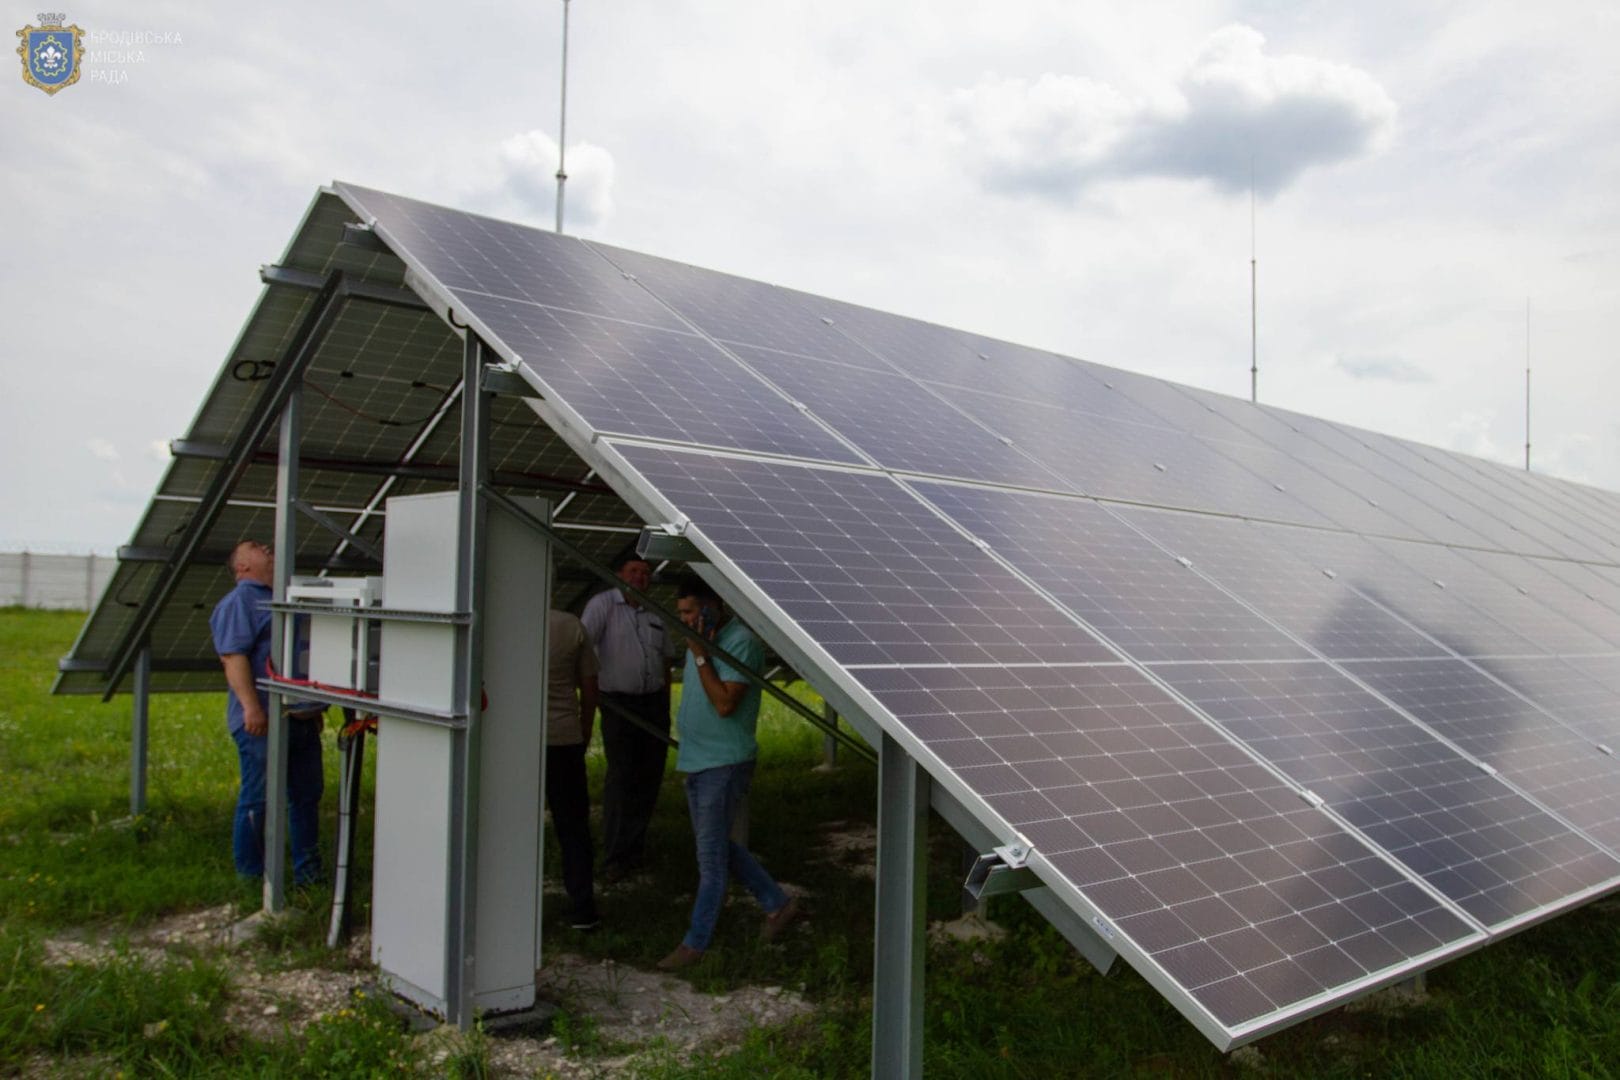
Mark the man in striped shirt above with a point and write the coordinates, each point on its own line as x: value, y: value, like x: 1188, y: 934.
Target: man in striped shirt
x: 635, y: 652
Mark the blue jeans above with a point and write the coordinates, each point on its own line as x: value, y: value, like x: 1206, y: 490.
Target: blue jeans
x: 305, y: 782
x: 713, y: 796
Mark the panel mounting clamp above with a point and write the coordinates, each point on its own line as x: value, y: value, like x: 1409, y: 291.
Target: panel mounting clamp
x: 504, y: 379
x: 1002, y: 870
x: 1184, y: 561
x: 668, y: 542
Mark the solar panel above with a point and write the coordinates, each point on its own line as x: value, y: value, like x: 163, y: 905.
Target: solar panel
x: 1549, y: 761
x: 928, y: 436
x: 636, y: 380
x: 872, y: 574
x: 1547, y: 629
x: 1135, y: 800
x: 1135, y: 595
x: 1426, y: 603
x: 1233, y: 886
x: 1485, y: 846
x: 1254, y: 562
x: 1215, y: 662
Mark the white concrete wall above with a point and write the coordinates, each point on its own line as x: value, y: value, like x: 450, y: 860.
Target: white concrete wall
x: 31, y: 579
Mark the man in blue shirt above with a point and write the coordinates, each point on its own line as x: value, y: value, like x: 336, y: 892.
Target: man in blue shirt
x: 718, y: 714
x: 241, y: 630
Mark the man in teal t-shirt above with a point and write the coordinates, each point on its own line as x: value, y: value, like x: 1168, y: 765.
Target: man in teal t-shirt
x: 719, y: 711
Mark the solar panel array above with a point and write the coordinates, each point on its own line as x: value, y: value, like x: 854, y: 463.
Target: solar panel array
x: 1286, y: 710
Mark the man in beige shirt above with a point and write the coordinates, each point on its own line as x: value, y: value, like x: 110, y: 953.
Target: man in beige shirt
x: 570, y: 716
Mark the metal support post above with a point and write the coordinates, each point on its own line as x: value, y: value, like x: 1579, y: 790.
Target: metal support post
x: 283, y: 647
x: 139, y: 731
x: 902, y: 876
x: 829, y: 744
x: 461, y: 940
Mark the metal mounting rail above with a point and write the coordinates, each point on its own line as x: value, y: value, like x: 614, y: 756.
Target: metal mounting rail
x: 381, y: 614
x: 361, y: 703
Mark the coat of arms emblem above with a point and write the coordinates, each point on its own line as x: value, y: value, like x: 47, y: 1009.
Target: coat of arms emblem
x: 51, y: 53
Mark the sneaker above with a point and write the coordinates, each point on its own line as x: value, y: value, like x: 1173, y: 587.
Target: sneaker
x: 778, y: 920
x: 684, y: 956
x: 586, y: 926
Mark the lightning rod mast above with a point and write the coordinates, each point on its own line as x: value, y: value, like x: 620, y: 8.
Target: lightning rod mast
x: 562, y: 123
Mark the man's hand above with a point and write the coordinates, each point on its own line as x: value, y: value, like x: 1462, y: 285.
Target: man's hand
x: 255, y: 721
x: 239, y: 677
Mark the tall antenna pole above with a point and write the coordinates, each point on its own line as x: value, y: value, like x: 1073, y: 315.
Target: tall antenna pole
x: 1527, y: 384
x: 562, y: 124
x: 1254, y: 324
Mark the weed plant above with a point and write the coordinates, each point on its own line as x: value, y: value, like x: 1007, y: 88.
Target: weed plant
x: 1545, y: 1002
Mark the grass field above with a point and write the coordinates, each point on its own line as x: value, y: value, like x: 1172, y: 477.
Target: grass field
x: 1545, y: 1003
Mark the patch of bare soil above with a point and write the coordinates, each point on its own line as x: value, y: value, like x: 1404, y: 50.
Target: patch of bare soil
x: 627, y: 1012
x: 850, y: 845
x: 617, y: 1012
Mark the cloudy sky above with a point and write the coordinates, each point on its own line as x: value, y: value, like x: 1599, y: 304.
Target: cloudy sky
x: 1061, y: 173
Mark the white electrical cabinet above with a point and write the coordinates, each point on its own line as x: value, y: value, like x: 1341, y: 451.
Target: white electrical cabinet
x: 415, y: 930
x: 341, y: 645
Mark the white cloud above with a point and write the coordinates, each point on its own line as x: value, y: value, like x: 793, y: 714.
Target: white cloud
x: 1384, y: 368
x: 517, y: 180
x: 1233, y: 110
x: 102, y: 450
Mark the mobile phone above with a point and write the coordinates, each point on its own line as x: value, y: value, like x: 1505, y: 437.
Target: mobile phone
x: 707, y: 621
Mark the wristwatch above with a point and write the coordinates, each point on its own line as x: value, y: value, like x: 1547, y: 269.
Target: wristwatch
x: 700, y: 660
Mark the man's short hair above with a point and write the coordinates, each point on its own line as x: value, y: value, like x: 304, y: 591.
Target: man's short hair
x: 695, y: 587
x: 230, y: 558
x: 624, y: 558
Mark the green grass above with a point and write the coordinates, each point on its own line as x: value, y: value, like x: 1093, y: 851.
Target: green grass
x: 1543, y: 1003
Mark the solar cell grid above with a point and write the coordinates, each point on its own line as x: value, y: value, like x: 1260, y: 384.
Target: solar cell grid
x: 737, y: 310
x: 1128, y: 462
x: 628, y: 379
x: 1405, y: 593
x: 1265, y: 425
x: 1551, y: 501
x: 1515, y: 530
x: 1470, y: 836
x: 1177, y: 410
x: 1132, y: 593
x: 1561, y: 688
x: 1039, y: 376
x: 1588, y: 580
x: 1547, y: 760
x: 1424, y: 520
x: 470, y: 255
x: 1546, y: 629
x: 1249, y: 898
x: 863, y: 567
x: 1250, y: 560
x: 927, y: 435
x: 1330, y: 503
x: 1533, y: 579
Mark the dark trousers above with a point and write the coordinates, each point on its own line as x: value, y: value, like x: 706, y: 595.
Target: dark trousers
x: 635, y: 769
x: 570, y: 803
